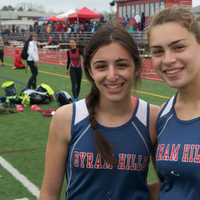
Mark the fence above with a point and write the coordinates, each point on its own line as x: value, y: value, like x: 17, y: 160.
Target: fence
x: 63, y: 38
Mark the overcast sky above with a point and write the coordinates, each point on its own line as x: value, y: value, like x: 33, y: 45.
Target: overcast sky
x: 64, y: 5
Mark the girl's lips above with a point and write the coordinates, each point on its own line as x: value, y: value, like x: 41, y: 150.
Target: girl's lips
x: 172, y: 72
x: 113, y: 85
x: 114, y: 88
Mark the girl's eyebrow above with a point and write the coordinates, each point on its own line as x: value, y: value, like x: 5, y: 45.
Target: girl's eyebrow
x: 177, y: 41
x: 98, y: 62
x: 121, y: 59
x: 104, y: 61
x: 171, y: 44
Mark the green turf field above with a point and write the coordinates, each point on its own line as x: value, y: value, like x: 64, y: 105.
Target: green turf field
x: 23, y: 136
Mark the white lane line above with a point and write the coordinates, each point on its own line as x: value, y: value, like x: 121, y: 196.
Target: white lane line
x: 33, y: 189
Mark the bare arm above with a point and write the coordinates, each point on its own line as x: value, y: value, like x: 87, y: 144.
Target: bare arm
x: 56, y: 154
x: 82, y: 65
x: 68, y: 60
x: 154, y: 190
x: 154, y: 187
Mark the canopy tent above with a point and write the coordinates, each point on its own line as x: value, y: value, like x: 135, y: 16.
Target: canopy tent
x: 66, y: 14
x: 84, y: 14
x: 55, y: 19
x: 44, y: 18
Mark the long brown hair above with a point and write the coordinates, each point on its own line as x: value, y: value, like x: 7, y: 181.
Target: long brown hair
x: 104, y: 36
x: 181, y: 15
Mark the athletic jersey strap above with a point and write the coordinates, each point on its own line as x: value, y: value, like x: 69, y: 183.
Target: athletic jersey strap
x: 167, y: 107
x: 142, y: 112
x: 80, y: 111
x: 165, y: 115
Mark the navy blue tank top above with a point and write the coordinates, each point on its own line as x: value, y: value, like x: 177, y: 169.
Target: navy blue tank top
x: 178, y: 155
x: 89, y: 177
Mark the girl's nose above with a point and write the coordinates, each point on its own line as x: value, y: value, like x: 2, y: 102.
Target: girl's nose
x: 169, y: 57
x: 112, y: 71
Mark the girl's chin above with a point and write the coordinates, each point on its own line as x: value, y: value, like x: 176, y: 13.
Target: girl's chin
x: 174, y: 84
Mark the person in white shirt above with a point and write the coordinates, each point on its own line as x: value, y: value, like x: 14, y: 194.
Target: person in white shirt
x: 138, y: 21
x: 32, y: 60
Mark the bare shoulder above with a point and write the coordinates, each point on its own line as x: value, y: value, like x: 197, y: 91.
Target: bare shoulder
x: 61, y: 122
x: 154, y: 111
x: 64, y: 112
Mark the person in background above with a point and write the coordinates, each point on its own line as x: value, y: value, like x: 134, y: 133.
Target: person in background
x: 143, y: 23
x: 32, y: 61
x: 74, y: 65
x: 1, y: 51
x: 138, y: 21
x: 50, y: 40
x: 174, y: 40
x: 18, y: 63
x: 104, y: 141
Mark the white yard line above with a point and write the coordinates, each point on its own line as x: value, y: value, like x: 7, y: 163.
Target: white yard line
x: 33, y: 189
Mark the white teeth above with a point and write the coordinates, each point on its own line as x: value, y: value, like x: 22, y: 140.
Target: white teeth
x: 172, y: 71
x: 113, y: 86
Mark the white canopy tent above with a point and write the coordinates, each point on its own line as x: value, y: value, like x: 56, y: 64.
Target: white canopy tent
x: 66, y: 14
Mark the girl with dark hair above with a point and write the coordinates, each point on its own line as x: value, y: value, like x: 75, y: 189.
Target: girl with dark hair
x: 103, y: 142
x: 174, y: 40
x: 74, y: 65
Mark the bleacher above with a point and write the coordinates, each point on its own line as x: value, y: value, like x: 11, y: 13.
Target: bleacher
x: 61, y: 40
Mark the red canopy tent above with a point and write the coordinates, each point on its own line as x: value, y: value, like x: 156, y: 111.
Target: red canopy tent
x: 55, y: 19
x: 84, y: 14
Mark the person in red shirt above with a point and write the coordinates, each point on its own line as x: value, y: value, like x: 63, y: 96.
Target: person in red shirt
x: 18, y: 64
x: 74, y: 65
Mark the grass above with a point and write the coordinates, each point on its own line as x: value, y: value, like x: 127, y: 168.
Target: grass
x: 23, y: 136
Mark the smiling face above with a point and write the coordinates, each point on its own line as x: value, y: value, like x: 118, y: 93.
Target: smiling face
x: 112, y: 69
x: 175, y: 54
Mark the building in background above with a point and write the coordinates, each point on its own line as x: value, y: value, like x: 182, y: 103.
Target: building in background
x: 20, y: 20
x: 132, y: 8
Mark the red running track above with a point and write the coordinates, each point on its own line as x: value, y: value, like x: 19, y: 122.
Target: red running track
x: 58, y: 57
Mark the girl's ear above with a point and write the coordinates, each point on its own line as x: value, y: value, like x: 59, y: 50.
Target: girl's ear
x: 138, y: 73
x: 90, y: 72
